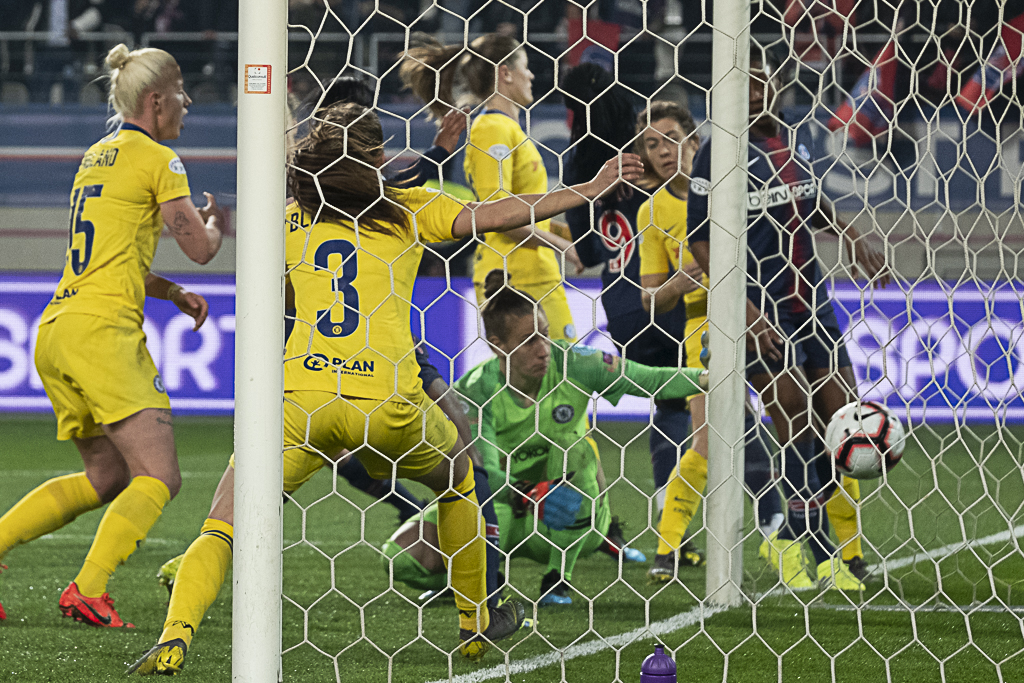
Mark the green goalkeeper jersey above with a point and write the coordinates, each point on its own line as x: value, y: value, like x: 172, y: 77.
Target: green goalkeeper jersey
x: 546, y: 439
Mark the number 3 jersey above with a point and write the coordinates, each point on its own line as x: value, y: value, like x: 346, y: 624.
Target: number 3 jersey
x: 353, y: 297
x: 115, y: 225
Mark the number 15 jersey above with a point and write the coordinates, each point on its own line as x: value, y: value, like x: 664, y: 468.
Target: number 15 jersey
x: 115, y: 225
x: 353, y: 298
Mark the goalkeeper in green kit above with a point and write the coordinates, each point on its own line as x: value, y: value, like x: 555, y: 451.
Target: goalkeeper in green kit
x: 527, y: 409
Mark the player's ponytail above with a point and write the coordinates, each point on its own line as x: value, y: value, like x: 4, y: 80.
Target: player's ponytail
x: 447, y: 76
x: 334, y: 173
x: 658, y: 110
x: 589, y: 88
x: 429, y: 72
x: 133, y: 74
x: 502, y: 302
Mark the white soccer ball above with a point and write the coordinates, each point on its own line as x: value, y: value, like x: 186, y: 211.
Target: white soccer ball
x: 863, y: 437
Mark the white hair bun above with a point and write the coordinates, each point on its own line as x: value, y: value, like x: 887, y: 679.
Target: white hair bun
x: 118, y: 56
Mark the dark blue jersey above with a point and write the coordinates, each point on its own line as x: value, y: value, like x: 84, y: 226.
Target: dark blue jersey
x: 427, y: 167
x: 605, y: 232
x: 782, y: 195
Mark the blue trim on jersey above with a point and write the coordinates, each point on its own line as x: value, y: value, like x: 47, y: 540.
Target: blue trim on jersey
x: 132, y: 126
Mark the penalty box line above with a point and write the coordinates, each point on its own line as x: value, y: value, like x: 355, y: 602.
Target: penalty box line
x: 695, y: 616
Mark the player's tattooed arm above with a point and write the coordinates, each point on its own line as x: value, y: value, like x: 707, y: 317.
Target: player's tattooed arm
x: 197, y: 231
x: 163, y: 416
x: 179, y: 226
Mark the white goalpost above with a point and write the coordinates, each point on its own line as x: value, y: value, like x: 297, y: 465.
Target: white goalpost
x: 727, y: 299
x: 259, y: 341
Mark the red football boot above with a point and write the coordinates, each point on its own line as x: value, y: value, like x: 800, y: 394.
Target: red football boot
x: 93, y: 611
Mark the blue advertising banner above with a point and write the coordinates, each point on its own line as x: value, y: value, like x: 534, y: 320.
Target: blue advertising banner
x: 935, y: 353
x: 197, y: 367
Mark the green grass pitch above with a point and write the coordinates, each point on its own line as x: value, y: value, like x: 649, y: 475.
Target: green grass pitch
x: 968, y: 485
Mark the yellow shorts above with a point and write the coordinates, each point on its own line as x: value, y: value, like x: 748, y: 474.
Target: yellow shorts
x: 96, y: 372
x: 695, y: 327
x: 551, y: 297
x: 393, y: 439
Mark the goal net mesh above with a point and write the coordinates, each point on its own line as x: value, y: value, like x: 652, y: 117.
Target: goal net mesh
x: 908, y: 121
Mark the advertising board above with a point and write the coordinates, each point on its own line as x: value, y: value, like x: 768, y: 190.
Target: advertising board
x: 927, y: 355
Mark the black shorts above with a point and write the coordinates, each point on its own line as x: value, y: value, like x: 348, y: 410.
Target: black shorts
x: 810, y: 341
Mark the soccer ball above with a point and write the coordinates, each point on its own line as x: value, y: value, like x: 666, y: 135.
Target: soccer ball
x: 863, y: 435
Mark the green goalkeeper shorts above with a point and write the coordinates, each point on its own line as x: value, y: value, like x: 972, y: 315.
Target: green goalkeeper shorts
x: 408, y: 570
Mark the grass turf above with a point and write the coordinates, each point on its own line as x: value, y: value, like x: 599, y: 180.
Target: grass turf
x: 968, y: 485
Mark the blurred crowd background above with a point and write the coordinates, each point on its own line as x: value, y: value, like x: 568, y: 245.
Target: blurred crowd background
x: 51, y: 50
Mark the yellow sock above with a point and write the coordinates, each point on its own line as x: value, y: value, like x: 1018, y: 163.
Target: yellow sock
x: 123, y: 528
x: 842, y: 514
x: 460, y: 533
x: 198, y: 581
x: 47, y: 508
x: 682, y: 496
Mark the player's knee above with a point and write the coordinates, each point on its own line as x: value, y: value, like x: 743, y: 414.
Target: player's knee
x: 110, y: 482
x: 173, y: 482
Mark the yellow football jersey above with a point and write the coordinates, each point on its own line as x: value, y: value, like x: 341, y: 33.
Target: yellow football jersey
x: 115, y: 225
x: 661, y: 221
x: 502, y: 161
x: 353, y: 294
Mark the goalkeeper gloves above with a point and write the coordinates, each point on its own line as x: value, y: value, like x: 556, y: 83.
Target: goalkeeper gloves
x: 554, y: 504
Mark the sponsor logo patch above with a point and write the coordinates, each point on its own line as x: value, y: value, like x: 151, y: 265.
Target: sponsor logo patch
x: 176, y: 166
x: 318, y: 361
x: 158, y: 384
x: 499, y: 151
x: 701, y: 186
x: 563, y: 413
x: 780, y: 195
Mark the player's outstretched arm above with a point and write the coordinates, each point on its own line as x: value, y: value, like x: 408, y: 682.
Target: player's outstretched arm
x: 514, y: 212
x: 197, y: 231
x: 191, y: 304
x: 863, y: 255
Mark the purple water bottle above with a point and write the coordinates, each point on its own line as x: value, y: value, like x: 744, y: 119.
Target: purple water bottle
x: 658, y: 668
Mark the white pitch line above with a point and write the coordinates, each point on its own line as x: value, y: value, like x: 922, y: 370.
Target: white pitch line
x: 657, y: 628
x: 87, y: 538
x: 49, y: 474
x: 694, y: 616
x: 947, y: 550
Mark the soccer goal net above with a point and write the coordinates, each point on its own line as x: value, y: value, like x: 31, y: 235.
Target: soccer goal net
x: 854, y: 237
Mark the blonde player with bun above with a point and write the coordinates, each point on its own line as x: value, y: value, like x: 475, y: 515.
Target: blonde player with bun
x: 500, y: 161
x: 351, y: 380
x: 91, y: 351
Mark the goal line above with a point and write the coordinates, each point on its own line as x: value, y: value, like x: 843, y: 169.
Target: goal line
x: 696, y: 615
